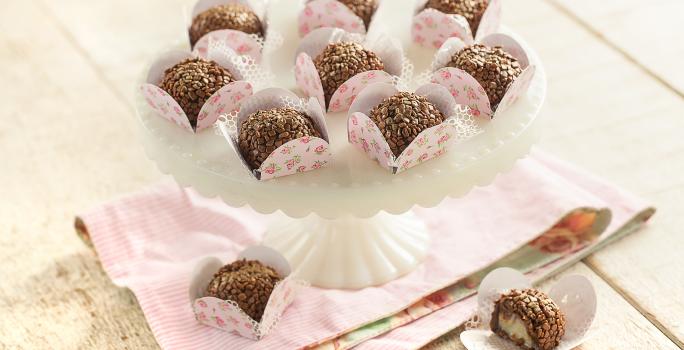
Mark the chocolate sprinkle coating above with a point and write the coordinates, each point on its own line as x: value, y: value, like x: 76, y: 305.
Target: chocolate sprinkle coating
x: 248, y: 283
x: 362, y: 8
x: 264, y: 131
x: 402, y: 117
x: 472, y: 10
x: 492, y: 67
x: 543, y: 319
x: 341, y: 61
x: 191, y: 83
x: 230, y: 16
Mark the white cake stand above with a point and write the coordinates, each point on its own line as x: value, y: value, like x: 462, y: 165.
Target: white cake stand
x: 349, y: 225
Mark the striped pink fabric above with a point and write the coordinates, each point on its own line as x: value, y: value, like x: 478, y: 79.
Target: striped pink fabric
x: 624, y: 207
x: 150, y: 241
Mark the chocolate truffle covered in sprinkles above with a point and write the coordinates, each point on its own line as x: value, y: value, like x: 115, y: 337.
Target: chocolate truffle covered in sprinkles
x: 191, y: 83
x: 246, y: 282
x: 492, y: 67
x: 264, y: 131
x: 402, y: 117
x: 341, y: 61
x: 362, y: 8
x: 230, y: 16
x: 472, y: 10
x: 529, y: 318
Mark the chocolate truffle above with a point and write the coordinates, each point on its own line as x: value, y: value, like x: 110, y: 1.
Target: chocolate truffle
x: 402, y: 117
x: 362, y: 8
x: 529, y: 318
x: 264, y: 131
x: 492, y: 67
x: 472, y: 10
x: 248, y: 283
x: 191, y: 83
x: 341, y: 61
x: 230, y: 16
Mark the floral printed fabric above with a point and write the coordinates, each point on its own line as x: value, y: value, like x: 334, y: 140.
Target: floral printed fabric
x: 569, y: 236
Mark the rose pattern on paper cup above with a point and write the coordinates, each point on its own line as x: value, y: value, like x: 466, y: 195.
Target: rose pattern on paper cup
x: 225, y: 100
x: 431, y: 27
x: 241, y: 43
x: 304, y: 154
x: 308, y: 78
x: 300, y: 155
x: 226, y: 315
x: 433, y: 142
x: 329, y: 14
x: 347, y: 92
x: 466, y: 90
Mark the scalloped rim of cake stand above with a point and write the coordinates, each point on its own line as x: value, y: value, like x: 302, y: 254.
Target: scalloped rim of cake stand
x: 205, y: 162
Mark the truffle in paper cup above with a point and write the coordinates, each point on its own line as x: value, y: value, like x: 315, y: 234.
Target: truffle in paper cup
x: 310, y: 81
x: 296, y: 156
x: 336, y: 14
x: 251, y: 41
x: 432, y: 142
x: 467, y: 90
x: 226, y: 315
x: 574, y: 295
x: 432, y: 27
x: 225, y: 100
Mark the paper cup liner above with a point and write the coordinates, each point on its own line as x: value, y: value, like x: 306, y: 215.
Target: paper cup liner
x: 297, y: 156
x: 226, y: 315
x: 365, y: 135
x: 574, y: 295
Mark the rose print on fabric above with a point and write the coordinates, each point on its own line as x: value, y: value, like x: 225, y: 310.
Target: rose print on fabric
x: 569, y: 235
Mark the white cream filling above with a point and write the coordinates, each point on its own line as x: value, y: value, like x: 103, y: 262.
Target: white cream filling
x: 515, y: 328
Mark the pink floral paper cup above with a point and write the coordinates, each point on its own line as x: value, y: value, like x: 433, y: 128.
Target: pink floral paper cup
x: 389, y: 50
x: 225, y: 100
x: 466, y: 90
x: 304, y: 154
x: 431, y: 27
x: 574, y: 295
x: 332, y: 14
x: 226, y: 315
x: 244, y: 44
x: 366, y: 136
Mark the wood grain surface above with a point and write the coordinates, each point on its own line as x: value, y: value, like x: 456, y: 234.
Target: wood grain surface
x: 615, y: 107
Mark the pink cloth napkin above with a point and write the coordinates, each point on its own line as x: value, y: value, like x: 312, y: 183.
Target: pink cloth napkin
x: 150, y: 242
x: 624, y: 207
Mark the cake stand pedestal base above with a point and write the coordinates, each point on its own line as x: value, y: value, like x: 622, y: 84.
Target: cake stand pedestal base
x: 349, y: 252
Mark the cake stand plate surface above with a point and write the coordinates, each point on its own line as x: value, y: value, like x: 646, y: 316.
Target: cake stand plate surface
x: 333, y: 230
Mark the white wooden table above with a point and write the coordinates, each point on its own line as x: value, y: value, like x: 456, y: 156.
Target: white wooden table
x: 68, y: 142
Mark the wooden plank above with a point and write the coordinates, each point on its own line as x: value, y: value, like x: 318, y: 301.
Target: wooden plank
x: 122, y: 37
x: 615, y: 317
x: 67, y: 143
x: 650, y: 32
x: 610, y: 116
